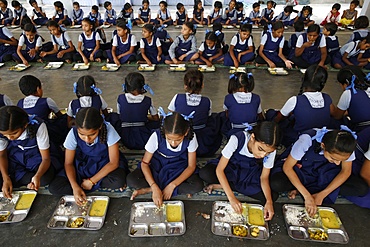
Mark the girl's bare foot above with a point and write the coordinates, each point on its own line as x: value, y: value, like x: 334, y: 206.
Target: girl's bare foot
x: 98, y: 60
x: 208, y: 189
x: 138, y: 192
x: 68, y: 61
x: 292, y: 194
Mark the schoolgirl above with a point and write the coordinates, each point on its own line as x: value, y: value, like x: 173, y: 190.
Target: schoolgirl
x: 150, y: 46
x: 144, y: 14
x: 198, y: 14
x: 32, y: 42
x: 210, y: 51
x: 110, y: 16
x: 216, y: 15
x: 163, y: 15
x: 229, y: 14
x: 5, y: 13
x: 61, y: 14
x: 20, y: 14
x: 38, y: 16
x: 8, y: 44
x: 267, y: 13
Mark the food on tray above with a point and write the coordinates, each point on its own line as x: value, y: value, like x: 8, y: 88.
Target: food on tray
x: 318, y: 234
x: 240, y: 231
x: 65, y: 209
x: 255, y: 216
x: 255, y: 231
x: 297, y: 216
x: 98, y: 208
x: 173, y: 213
x: 104, y: 67
x: 329, y: 219
x: 77, y: 223
x: 25, y: 201
x: 4, y: 216
x: 227, y: 214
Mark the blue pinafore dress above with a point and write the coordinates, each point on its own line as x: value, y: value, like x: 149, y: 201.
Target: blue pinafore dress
x: 271, y: 48
x: 40, y: 20
x: 122, y: 48
x: 237, y: 49
x: 89, y: 45
x: 5, y: 49
x: 29, y: 45
x: 2, y: 103
x: 360, y: 118
x: 151, y: 51
x: 312, y: 54
x: 180, y: 18
x: 207, y: 53
x: 77, y: 15
x: 229, y: 16
x: 95, y: 102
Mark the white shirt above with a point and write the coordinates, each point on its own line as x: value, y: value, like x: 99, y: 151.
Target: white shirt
x: 86, y: 101
x: 244, y: 98
x: 162, y: 15
x: 303, y: 143
x: 242, y: 42
x: 31, y: 100
x: 80, y: 39
x: 351, y: 49
x: 157, y: 43
x: 264, y: 39
x: 191, y: 100
x: 7, y: 100
x: 42, y: 138
x: 7, y: 33
x: 178, y: 13
x: 136, y: 99
x: 22, y: 41
x: 215, y: 14
x: 232, y: 145
x: 300, y: 41
x: 33, y: 12
x: 112, y: 138
x: 59, y: 40
x: 345, y: 99
x: 152, y: 144
x: 65, y: 13
x: 315, y: 98
x: 140, y: 11
x: 133, y: 40
x: 367, y: 154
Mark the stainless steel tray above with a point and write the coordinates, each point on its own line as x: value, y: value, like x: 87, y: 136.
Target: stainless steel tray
x: 146, y: 220
x: 16, y: 209
x: 225, y: 221
x: 68, y: 215
x: 53, y: 65
x: 302, y: 227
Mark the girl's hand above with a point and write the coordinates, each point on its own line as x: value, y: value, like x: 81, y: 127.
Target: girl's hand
x: 269, y: 211
x: 149, y: 62
x: 87, y: 184
x: 237, y: 205
x: 157, y: 195
x: 79, y: 195
x: 91, y: 57
x: 60, y: 54
x: 159, y: 58
x: 35, y: 183
x: 43, y: 54
x: 60, y: 22
x: 182, y: 57
x: 288, y: 64
x: 7, y: 188
x: 209, y: 64
x: 307, y: 44
x: 167, y: 192
x: 175, y: 61
x: 271, y: 65
x: 25, y: 62
x: 32, y: 52
x: 310, y: 205
x: 318, y: 197
x: 116, y: 61
x: 86, y: 61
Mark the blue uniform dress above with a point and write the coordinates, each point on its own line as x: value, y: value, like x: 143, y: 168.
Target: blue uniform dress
x: 164, y: 37
x: 271, y: 50
x: 40, y: 20
x: 332, y: 45
x: 239, y: 113
x: 360, y: 118
x: 111, y: 20
x: 89, y: 45
x: 198, y: 15
x: 210, y: 52
x: 136, y: 128
x: 90, y: 159
x: 29, y: 45
x: 61, y: 47
x: 122, y: 48
x: 214, y: 14
x: 151, y: 50
x: 95, y: 102
x: 78, y: 16
x: 285, y: 19
x: 230, y: 16
x: 18, y: 15
x: 207, y: 128
x: 96, y: 17
x: 266, y: 13
x: 312, y: 54
x: 24, y: 156
x: 180, y: 18
x: 2, y: 103
x: 156, y: 22
x: 166, y: 165
x: 60, y: 16
x: 183, y: 47
x: 7, y: 15
x: 289, y: 46
x: 144, y: 15
x: 362, y: 147
x: 5, y: 49
x: 228, y: 61
x: 353, y: 54
x: 242, y: 172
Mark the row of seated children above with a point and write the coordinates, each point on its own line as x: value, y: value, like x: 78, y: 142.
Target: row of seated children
x: 169, y: 163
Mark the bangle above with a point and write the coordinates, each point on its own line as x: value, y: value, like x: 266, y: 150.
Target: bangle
x: 146, y: 163
x: 91, y: 181
x: 152, y: 184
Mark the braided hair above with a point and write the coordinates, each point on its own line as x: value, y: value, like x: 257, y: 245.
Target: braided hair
x: 84, y: 84
x: 14, y: 118
x: 344, y: 77
x: 241, y: 80
x: 193, y: 80
x: 338, y: 142
x: 89, y: 118
x: 314, y: 79
x: 176, y: 124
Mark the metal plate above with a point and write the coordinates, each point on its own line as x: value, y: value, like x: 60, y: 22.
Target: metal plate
x: 146, y: 220
x: 16, y: 209
x: 68, y: 215
x: 110, y: 67
x: 19, y: 67
x: 146, y: 68
x: 53, y: 65
x: 225, y: 222
x: 278, y: 71
x: 205, y: 68
x: 326, y: 224
x: 81, y: 66
x: 177, y: 67
x: 75, y: 26
x: 2, y: 64
x: 235, y: 70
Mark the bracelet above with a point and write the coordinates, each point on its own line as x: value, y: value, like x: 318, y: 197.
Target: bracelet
x: 152, y: 184
x: 91, y: 181
x: 146, y: 163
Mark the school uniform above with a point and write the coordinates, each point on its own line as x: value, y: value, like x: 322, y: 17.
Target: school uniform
x: 95, y: 101
x: 78, y: 16
x: 356, y: 103
x: 89, y: 44
x: 205, y: 124
x: 126, y: 16
x: 215, y: 14
x: 208, y: 52
x: 240, y: 16
x: 312, y: 54
x: 271, y: 49
x: 59, y: 15
x: 135, y: 126
x: 352, y: 50
x: 180, y: 18
x: 24, y: 156
x: 113, y: 16
x: 23, y: 40
x: 360, y: 34
x: 7, y: 16
x: 123, y: 47
x: 241, y: 108
x: 243, y: 170
x: 6, y: 51
x: 332, y: 45
x: 253, y: 15
x: 289, y: 46
x: 305, y: 19
x: 239, y: 46
x: 39, y: 19
x: 151, y: 49
x: 89, y: 160
x: 266, y: 13
x: 198, y: 15
x: 167, y: 164
x: 165, y: 39
x: 63, y: 44
x: 5, y: 100
x: 18, y: 14
x: 163, y: 16
x: 95, y: 18
x: 285, y: 19
x: 180, y: 46
x: 231, y: 15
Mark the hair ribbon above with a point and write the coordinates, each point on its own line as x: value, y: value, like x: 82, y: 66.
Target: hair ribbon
x: 32, y: 120
x: 320, y: 134
x: 247, y: 126
x: 269, y: 26
x: 345, y: 128
x: 188, y: 117
x: 123, y: 87
x: 232, y: 76
x: 218, y: 32
x: 352, y: 85
x: 163, y: 114
x: 249, y: 75
x: 148, y: 89
x: 96, y: 89
x: 75, y: 87
x: 207, y: 31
